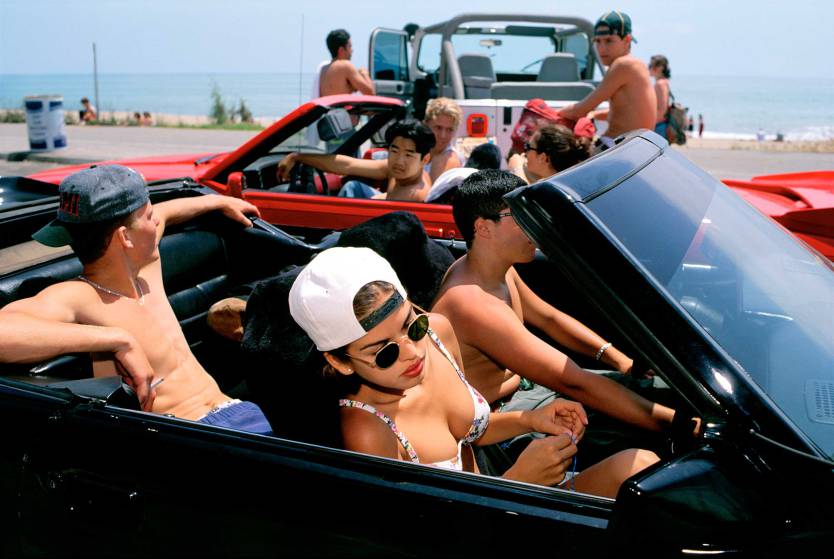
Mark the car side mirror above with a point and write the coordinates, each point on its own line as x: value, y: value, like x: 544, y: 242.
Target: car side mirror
x: 335, y: 125
x: 701, y: 496
x: 236, y: 184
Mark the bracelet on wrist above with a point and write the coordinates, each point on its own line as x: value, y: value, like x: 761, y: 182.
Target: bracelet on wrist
x: 602, y: 349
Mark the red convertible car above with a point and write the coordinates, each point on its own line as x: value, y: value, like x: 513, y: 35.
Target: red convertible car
x: 802, y: 202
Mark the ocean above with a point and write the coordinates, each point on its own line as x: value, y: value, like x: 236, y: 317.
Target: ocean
x: 732, y: 107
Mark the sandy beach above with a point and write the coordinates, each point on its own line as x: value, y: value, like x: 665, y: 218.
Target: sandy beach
x: 822, y: 146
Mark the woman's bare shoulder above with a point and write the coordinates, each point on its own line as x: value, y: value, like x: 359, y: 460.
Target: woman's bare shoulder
x: 365, y: 432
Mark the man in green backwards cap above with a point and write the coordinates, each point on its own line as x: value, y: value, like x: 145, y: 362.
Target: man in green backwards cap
x: 627, y: 85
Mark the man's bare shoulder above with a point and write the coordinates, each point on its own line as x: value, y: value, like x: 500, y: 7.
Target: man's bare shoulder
x: 72, y: 292
x: 467, y: 301
x: 631, y: 65
x: 340, y: 67
x: 60, y: 301
x: 455, y: 292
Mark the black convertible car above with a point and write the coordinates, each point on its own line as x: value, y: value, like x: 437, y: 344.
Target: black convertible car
x: 733, y: 313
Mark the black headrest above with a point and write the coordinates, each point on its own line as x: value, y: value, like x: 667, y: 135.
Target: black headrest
x: 400, y: 238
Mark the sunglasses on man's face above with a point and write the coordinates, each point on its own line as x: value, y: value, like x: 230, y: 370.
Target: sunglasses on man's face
x: 390, y: 352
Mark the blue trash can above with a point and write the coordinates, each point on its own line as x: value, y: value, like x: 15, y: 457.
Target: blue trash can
x: 45, y: 122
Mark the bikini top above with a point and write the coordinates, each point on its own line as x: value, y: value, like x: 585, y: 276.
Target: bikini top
x: 479, y: 423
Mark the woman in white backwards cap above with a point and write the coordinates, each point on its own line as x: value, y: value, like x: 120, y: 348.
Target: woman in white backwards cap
x: 406, y: 396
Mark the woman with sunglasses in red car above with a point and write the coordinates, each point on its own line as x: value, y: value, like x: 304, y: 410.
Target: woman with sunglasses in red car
x: 551, y: 149
x: 405, y: 394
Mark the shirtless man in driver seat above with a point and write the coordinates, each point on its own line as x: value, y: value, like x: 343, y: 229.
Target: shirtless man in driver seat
x: 118, y: 305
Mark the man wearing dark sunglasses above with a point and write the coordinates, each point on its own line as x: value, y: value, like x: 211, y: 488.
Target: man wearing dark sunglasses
x: 489, y: 305
x: 403, y: 394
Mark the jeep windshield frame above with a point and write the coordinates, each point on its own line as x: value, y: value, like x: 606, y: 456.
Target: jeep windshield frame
x: 501, y: 26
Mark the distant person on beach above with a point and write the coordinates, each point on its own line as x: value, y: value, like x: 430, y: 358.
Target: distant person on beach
x: 137, y: 117
x: 660, y: 71
x: 627, y: 87
x: 88, y: 113
x: 146, y: 119
x: 340, y: 76
x: 409, y: 144
x: 700, y: 125
x: 443, y: 117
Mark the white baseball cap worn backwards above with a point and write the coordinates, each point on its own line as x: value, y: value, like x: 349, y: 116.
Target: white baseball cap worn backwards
x: 321, y: 298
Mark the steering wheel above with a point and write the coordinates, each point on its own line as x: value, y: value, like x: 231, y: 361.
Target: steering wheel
x: 302, y: 180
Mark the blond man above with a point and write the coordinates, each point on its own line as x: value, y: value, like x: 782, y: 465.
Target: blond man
x: 443, y: 116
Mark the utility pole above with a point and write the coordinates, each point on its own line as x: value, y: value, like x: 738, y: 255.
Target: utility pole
x: 301, y: 59
x: 95, y: 81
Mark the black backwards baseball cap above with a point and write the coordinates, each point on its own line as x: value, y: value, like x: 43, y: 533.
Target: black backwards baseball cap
x: 97, y: 194
x: 613, y: 23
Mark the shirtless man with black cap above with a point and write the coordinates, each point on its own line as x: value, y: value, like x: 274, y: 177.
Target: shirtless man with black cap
x: 117, y: 308
x: 626, y: 86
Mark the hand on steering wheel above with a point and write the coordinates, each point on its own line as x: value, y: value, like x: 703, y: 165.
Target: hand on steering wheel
x: 302, y: 180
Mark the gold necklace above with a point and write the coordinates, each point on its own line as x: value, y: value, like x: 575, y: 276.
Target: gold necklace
x: 109, y: 291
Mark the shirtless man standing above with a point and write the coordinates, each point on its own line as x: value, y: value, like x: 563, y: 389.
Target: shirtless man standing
x: 488, y: 305
x: 626, y: 86
x: 118, y: 305
x: 409, y: 147
x: 341, y: 76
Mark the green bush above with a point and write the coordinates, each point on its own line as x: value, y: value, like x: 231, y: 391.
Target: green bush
x: 12, y: 116
x: 219, y: 114
x: 244, y: 113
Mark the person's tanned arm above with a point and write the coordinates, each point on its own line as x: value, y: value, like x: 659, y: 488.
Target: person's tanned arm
x: 616, y: 77
x: 43, y: 327
x: 493, y: 328
x: 338, y: 164
x: 184, y: 209
x: 361, y: 81
x: 565, y: 329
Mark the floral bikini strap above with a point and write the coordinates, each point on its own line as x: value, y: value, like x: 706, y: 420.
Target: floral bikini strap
x: 436, y: 339
x: 387, y: 420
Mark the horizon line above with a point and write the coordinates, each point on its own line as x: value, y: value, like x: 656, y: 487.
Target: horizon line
x: 233, y: 73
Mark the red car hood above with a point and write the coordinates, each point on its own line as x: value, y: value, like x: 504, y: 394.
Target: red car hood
x: 152, y: 168
x: 802, y: 202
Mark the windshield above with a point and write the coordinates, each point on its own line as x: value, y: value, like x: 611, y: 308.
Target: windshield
x: 307, y: 139
x: 509, y: 53
x: 753, y: 287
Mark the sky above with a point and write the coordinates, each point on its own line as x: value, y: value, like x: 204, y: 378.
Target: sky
x: 774, y: 38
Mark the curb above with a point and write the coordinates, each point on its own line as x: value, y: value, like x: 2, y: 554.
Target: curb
x: 17, y: 156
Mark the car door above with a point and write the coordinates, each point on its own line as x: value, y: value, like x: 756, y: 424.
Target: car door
x: 388, y: 63
x: 102, y: 480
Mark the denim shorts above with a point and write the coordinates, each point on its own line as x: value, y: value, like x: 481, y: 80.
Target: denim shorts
x: 243, y: 416
x: 661, y: 127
